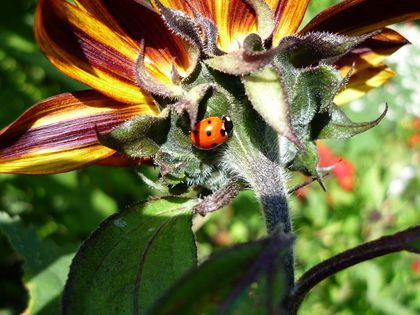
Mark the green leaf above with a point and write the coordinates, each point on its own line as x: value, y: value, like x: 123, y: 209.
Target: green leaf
x: 311, y: 48
x: 131, y: 259
x: 139, y: 137
x: 266, y: 93
x: 338, y: 126
x: 46, y: 265
x: 222, y: 283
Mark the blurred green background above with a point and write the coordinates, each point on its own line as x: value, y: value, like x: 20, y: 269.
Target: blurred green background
x: 385, y: 197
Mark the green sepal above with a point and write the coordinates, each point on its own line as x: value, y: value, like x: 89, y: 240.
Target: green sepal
x: 194, y: 58
x: 267, y: 95
x: 315, y: 116
x: 314, y: 91
x: 191, y: 101
x: 253, y: 43
x: 313, y: 47
x: 210, y: 33
x: 139, y: 137
x: 145, y: 80
x: 306, y: 161
x: 336, y: 125
x: 265, y: 18
x: 186, y: 28
x: 245, y: 60
x: 180, y: 23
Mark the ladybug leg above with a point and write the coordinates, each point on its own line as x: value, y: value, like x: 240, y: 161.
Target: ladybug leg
x: 217, y: 200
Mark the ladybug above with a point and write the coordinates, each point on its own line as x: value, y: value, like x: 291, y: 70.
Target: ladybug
x: 211, y: 132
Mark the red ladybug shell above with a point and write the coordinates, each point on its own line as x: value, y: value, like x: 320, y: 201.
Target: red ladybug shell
x: 210, y: 132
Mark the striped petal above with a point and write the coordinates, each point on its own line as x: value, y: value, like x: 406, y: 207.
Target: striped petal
x: 363, y: 81
x: 289, y: 15
x: 137, y: 20
x: 58, y: 134
x: 234, y: 18
x: 367, y: 59
x: 355, y: 17
x: 99, y: 53
x: 373, y: 50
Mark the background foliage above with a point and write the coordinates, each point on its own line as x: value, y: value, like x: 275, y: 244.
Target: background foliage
x: 46, y: 217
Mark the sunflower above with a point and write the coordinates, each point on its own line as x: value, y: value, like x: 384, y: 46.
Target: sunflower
x: 104, y: 43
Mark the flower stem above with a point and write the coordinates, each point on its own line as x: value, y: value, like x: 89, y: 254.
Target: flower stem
x: 380, y: 247
x: 254, y: 155
x: 269, y: 185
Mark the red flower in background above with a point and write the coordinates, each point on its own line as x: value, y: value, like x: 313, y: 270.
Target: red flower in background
x: 415, y: 266
x: 343, y: 169
x: 414, y: 139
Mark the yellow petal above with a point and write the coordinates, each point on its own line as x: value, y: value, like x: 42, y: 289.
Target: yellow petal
x: 234, y: 18
x: 355, y: 17
x: 372, y: 51
x: 289, y: 15
x: 59, y: 133
x: 136, y: 20
x: 362, y: 82
x: 101, y: 53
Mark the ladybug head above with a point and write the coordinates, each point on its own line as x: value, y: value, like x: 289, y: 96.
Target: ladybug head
x: 227, y: 123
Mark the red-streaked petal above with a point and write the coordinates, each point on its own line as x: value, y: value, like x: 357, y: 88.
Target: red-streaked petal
x: 363, y: 81
x: 289, y: 15
x: 367, y: 58
x: 354, y: 17
x: 88, y: 50
x: 135, y: 21
x: 373, y: 51
x: 79, y: 45
x: 58, y: 134
x: 234, y: 18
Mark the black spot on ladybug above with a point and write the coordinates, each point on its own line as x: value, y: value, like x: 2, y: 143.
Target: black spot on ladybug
x: 208, y: 133
x: 195, y: 132
x: 213, y: 145
x: 223, y: 132
x: 209, y: 122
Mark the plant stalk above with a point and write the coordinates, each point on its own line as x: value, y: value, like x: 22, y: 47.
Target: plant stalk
x: 380, y: 247
x: 269, y: 185
x: 254, y: 155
